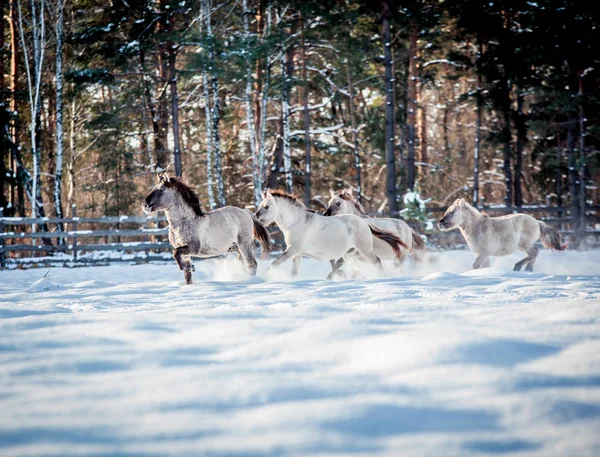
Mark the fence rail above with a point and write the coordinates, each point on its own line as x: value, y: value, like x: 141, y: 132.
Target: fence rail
x: 22, y: 243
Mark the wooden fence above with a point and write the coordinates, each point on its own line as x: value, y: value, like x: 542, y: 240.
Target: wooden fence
x: 138, y: 239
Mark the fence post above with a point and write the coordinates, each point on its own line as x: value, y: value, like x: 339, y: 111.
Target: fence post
x: 1, y: 239
x: 583, y: 222
x: 147, y: 225
x: 74, y: 228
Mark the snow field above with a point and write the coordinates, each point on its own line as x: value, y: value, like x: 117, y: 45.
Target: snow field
x: 442, y: 361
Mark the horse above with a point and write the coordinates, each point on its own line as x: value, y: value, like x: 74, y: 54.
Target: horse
x: 322, y: 238
x: 195, y: 233
x: 344, y: 202
x: 499, y: 236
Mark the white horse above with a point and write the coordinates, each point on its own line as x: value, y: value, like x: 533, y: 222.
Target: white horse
x: 498, y: 236
x: 322, y: 238
x: 343, y: 202
x: 194, y: 233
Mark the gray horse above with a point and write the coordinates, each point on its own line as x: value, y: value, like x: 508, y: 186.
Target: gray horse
x: 194, y: 233
x: 498, y: 236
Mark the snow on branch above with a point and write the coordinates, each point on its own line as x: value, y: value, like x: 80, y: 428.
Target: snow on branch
x: 314, y: 107
x: 321, y: 131
x: 446, y: 61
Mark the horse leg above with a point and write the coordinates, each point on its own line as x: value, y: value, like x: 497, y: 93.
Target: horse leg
x: 520, y: 264
x: 283, y: 257
x: 296, y: 264
x: 532, y: 254
x: 528, y: 261
x: 245, y: 253
x: 234, y: 248
x: 480, y: 261
x: 335, y: 266
x: 184, y: 264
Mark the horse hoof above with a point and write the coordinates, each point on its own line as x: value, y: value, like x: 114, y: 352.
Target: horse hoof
x: 188, y: 277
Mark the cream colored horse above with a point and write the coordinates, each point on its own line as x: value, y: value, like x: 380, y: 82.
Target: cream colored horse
x: 498, y: 236
x: 344, y: 202
x: 322, y: 238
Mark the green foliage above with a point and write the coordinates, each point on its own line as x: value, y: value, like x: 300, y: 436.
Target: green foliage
x: 415, y: 209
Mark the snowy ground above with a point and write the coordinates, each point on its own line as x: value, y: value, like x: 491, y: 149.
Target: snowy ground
x: 126, y: 360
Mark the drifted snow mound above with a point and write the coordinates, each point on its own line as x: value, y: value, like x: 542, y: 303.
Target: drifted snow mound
x: 43, y: 285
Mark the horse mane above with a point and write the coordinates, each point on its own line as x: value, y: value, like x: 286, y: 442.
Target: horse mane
x: 186, y: 192
x: 345, y: 194
x: 291, y: 198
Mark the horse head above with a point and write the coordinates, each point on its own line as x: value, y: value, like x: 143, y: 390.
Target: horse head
x: 454, y: 215
x: 161, y: 197
x: 168, y: 192
x: 267, y: 210
x: 341, y: 202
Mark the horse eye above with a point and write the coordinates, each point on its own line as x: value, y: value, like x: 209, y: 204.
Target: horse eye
x: 338, y: 204
x: 266, y: 206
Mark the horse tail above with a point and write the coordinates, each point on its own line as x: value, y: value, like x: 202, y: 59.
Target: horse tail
x: 262, y: 235
x: 551, y: 238
x: 418, y: 247
x: 394, y: 241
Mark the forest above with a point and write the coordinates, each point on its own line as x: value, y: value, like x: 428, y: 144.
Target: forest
x: 493, y: 101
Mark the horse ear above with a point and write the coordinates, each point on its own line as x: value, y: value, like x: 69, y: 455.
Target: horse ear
x: 348, y: 191
x: 332, y: 193
x: 163, y: 178
x: 462, y: 202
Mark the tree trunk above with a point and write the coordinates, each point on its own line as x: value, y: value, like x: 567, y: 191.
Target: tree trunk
x: 424, y: 156
x: 277, y: 158
x: 19, y: 201
x: 521, y: 128
x: 209, y: 144
x: 477, y: 151
x: 215, y: 113
x: 446, y: 138
x: 250, y: 126
x: 216, y: 117
x: 263, y: 111
x: 307, y: 171
x: 73, y: 158
x: 573, y: 175
x: 582, y: 158
x: 157, y: 141
x: 558, y: 178
x: 507, y: 144
x: 351, y: 110
x: 4, y: 119
x: 411, y: 106
x: 162, y: 152
x: 205, y: 22
x: 34, y: 83
x: 258, y: 68
x: 390, y: 138
x: 58, y: 207
x: 287, y: 70
x: 174, y: 108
